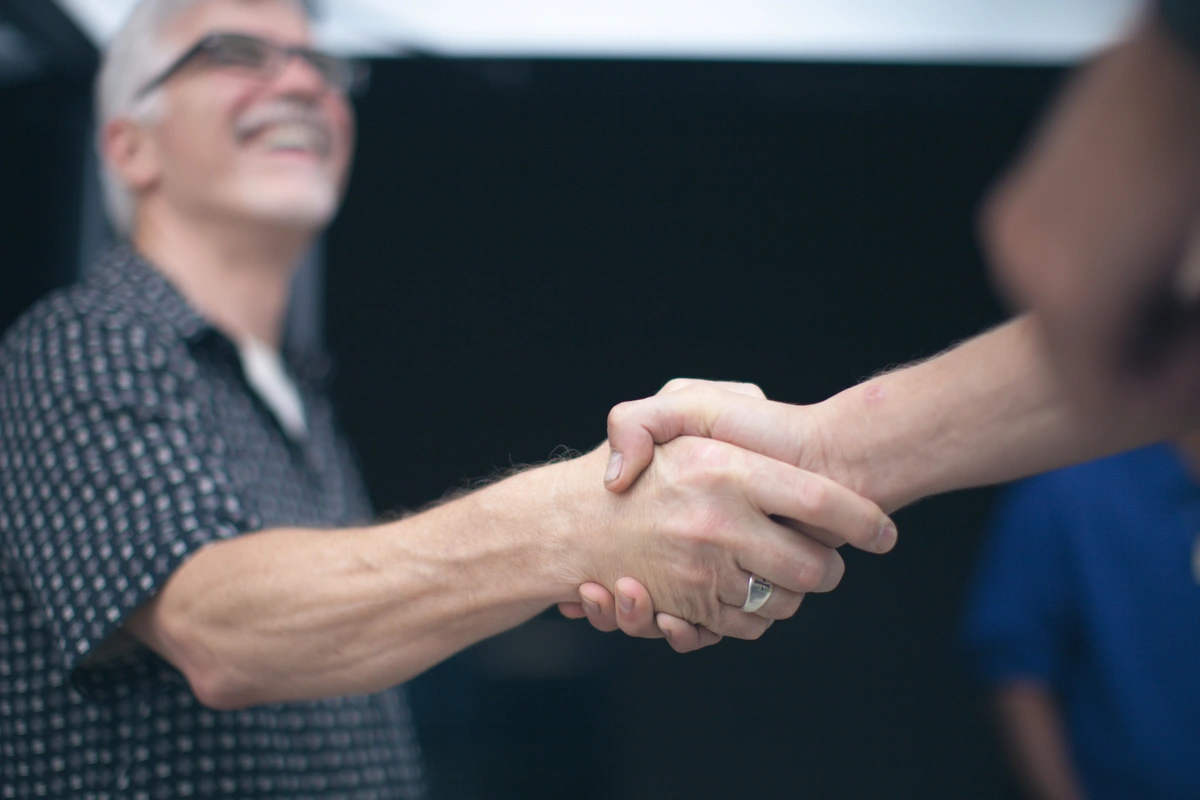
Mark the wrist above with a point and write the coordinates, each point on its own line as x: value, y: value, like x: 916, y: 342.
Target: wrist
x: 547, y: 511
x: 851, y: 446
x: 505, y: 546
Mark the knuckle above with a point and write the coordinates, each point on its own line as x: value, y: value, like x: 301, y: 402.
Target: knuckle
x: 619, y: 414
x: 706, y: 451
x: 814, y: 497
x: 695, y: 597
x: 706, y: 526
x: 722, y: 623
x: 808, y: 576
x: 707, y: 457
x: 675, y: 384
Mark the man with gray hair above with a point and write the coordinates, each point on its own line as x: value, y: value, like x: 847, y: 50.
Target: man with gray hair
x: 193, y: 599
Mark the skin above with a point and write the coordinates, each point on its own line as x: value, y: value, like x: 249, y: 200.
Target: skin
x: 1037, y: 744
x: 1097, y: 229
x: 1096, y: 232
x: 226, y: 219
x: 291, y: 614
x: 991, y: 410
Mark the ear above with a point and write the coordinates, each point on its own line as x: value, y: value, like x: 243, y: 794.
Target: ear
x: 130, y: 150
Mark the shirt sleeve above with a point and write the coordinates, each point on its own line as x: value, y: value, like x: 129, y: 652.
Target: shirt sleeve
x: 1182, y: 19
x: 110, y: 480
x: 1018, y: 612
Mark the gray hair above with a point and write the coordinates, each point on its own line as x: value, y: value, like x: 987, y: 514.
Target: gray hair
x: 133, y: 58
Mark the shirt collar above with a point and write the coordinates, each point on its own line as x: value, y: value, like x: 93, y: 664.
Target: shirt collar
x: 127, y: 274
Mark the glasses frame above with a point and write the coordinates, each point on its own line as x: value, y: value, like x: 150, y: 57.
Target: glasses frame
x: 357, y: 73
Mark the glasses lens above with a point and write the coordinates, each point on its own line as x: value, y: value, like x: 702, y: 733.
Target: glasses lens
x: 342, y: 74
x: 239, y: 51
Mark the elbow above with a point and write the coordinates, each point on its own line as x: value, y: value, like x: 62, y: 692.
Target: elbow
x: 223, y: 688
x: 215, y: 679
x: 217, y: 683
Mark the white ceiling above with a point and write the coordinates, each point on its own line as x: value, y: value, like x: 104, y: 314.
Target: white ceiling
x: 961, y: 31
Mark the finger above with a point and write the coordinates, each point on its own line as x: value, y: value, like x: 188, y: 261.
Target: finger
x: 781, y: 604
x: 793, y: 563
x: 748, y: 389
x: 816, y: 501
x: 635, y: 611
x: 732, y: 621
x: 600, y: 607
x: 790, y: 561
x: 683, y: 636
x: 698, y: 410
x: 572, y: 610
x: 824, y: 537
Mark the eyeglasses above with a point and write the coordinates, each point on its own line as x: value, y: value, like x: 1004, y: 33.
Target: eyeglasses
x: 263, y: 60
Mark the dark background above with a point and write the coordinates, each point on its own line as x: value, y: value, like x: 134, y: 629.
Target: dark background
x: 527, y: 243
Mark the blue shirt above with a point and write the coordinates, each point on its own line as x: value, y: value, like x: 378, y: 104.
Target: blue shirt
x: 1086, y: 584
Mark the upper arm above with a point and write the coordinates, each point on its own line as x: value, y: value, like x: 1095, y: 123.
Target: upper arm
x: 110, y: 478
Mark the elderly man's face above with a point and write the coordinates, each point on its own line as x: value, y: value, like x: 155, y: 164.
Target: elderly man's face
x: 233, y: 145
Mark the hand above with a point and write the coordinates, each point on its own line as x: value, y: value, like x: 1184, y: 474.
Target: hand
x: 738, y: 414
x: 706, y: 408
x: 634, y: 615
x: 1097, y: 230
x: 703, y: 518
x: 597, y: 604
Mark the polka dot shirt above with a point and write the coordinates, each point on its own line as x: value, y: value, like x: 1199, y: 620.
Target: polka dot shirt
x: 129, y: 439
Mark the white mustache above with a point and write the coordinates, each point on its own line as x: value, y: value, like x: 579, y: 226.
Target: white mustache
x: 283, y: 112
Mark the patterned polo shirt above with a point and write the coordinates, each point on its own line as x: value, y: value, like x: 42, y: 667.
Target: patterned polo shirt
x: 130, y: 439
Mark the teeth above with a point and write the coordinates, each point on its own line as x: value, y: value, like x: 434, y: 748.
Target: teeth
x: 294, y: 136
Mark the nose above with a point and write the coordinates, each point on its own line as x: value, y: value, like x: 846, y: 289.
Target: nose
x: 299, y: 78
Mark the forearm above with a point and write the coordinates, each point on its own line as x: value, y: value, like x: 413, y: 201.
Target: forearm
x: 293, y: 614
x: 1037, y: 743
x: 988, y: 411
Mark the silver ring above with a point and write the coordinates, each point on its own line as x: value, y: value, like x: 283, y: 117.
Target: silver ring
x: 757, y: 594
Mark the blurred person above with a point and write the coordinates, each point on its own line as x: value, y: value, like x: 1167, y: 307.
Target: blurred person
x: 1096, y: 232
x: 1083, y: 623
x: 193, y: 598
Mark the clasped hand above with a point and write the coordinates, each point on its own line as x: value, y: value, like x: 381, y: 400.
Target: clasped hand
x: 742, y: 511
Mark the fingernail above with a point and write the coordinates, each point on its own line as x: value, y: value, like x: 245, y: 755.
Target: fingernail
x: 614, y: 467
x: 591, y: 607
x: 886, y: 539
x: 626, y: 603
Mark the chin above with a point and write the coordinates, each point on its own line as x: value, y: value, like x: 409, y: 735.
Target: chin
x: 311, y: 209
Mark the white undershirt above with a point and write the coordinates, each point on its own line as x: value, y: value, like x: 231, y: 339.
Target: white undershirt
x: 268, y: 377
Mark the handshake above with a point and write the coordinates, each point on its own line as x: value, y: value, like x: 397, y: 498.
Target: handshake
x: 723, y: 509
x: 726, y: 510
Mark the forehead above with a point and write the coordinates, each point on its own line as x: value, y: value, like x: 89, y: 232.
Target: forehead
x: 278, y: 20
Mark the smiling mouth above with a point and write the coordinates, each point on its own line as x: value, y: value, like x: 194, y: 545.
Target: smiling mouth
x: 290, y: 137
